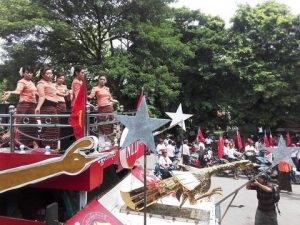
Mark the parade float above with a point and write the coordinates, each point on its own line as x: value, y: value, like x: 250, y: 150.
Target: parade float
x: 40, y: 187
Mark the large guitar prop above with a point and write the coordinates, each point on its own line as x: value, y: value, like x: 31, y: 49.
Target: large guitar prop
x: 78, y: 157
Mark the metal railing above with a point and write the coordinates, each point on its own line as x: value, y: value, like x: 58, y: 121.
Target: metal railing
x: 11, y: 125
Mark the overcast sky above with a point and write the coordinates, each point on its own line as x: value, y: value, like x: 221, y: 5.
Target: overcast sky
x: 226, y: 8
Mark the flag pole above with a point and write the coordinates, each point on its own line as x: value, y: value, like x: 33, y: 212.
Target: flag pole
x: 145, y: 189
x: 145, y: 165
x: 86, y: 116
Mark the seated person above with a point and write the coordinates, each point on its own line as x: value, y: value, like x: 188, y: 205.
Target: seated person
x: 165, y: 164
x: 231, y: 153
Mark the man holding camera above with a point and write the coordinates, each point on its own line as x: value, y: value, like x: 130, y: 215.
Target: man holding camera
x: 266, y: 210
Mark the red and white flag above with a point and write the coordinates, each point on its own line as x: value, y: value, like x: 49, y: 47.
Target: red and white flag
x: 266, y: 141
x: 239, y: 140
x: 200, y: 136
x: 77, y: 117
x: 288, y: 140
x: 271, y: 140
x: 140, y: 99
x: 220, y: 147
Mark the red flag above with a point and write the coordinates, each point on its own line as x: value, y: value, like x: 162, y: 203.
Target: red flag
x: 77, y: 116
x: 288, y: 140
x: 220, y: 147
x: 200, y: 136
x: 271, y: 140
x: 140, y: 99
x: 266, y: 141
x: 239, y: 140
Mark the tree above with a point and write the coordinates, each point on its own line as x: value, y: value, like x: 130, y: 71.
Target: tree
x: 206, y: 77
x: 118, y: 37
x: 265, y: 52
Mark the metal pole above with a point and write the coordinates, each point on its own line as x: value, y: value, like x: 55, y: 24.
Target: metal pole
x: 228, y: 206
x: 11, y: 128
x: 87, y: 119
x: 218, y: 213
x: 86, y: 128
x: 145, y: 184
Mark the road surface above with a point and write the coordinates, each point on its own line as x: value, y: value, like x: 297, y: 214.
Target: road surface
x: 242, y: 210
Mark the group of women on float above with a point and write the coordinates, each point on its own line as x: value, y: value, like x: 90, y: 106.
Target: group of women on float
x: 46, y: 97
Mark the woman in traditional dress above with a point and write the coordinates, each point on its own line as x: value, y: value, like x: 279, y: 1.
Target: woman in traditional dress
x: 27, y: 103
x: 62, y: 92
x: 78, y: 74
x: 104, y: 103
x: 47, y: 104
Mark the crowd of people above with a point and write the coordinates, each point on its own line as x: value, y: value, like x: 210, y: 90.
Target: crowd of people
x: 266, y: 212
x: 47, y: 96
x: 202, y: 153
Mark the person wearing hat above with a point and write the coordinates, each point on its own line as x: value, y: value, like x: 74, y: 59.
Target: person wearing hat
x: 266, y: 209
x: 165, y: 164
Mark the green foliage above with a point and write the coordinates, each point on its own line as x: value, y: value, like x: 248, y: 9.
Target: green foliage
x: 265, y: 51
x: 249, y: 71
x: 3, y: 87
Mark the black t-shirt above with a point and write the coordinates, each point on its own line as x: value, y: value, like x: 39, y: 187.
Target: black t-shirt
x: 265, y: 199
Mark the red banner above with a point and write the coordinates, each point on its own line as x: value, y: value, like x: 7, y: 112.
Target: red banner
x: 138, y: 172
x: 94, y: 213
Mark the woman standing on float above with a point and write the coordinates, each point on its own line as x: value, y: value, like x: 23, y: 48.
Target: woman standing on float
x: 27, y: 103
x: 62, y: 92
x: 47, y: 104
x: 104, y: 103
x: 78, y: 74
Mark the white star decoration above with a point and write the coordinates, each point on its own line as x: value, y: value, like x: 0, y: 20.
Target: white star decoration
x: 140, y: 127
x: 178, y: 118
x: 281, y: 152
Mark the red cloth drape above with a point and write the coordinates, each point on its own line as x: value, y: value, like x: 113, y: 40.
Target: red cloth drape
x: 77, y: 116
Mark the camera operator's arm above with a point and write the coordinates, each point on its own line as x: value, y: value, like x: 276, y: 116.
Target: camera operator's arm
x: 263, y: 187
x: 249, y: 185
x: 256, y: 184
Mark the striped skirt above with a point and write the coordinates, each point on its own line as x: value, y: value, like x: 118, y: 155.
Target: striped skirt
x: 105, y: 129
x: 49, y: 135
x: 25, y: 135
x: 61, y: 107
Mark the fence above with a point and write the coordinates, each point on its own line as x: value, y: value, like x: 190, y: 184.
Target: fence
x: 92, y: 124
